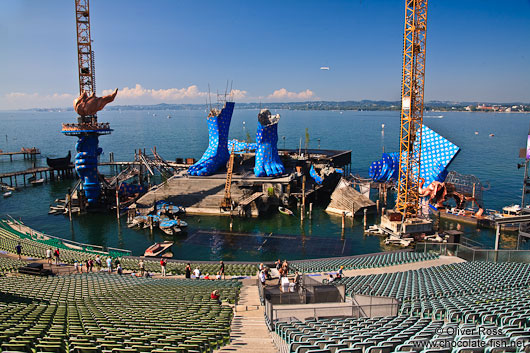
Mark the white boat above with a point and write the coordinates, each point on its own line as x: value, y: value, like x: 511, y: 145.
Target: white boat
x: 7, y: 194
x: 158, y: 248
x: 38, y: 181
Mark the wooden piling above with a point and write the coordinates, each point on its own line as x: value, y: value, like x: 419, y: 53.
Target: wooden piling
x: 117, y: 204
x: 343, y: 220
x: 364, y: 219
x: 310, y: 210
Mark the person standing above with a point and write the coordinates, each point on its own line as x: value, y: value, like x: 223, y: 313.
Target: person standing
x: 222, y: 269
x: 188, y: 271
x: 262, y: 277
x: 163, y: 264
x: 18, y: 248
x: 57, y: 256
x: 49, y: 256
x: 98, y: 263
x: 90, y: 264
x: 109, y: 265
x: 141, y: 264
x: 197, y: 273
x: 76, y: 266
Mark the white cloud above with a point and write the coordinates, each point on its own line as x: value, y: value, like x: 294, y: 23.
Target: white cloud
x: 283, y: 94
x: 141, y: 95
x: 21, y: 100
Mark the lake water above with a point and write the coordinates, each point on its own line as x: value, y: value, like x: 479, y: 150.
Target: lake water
x: 492, y: 159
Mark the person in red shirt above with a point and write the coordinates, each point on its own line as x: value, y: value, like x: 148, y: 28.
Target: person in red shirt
x: 163, y: 264
x: 215, y: 296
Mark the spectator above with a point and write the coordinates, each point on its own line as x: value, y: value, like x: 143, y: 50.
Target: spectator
x: 98, y: 263
x: 215, y: 296
x: 49, y: 256
x: 188, y: 271
x: 340, y: 273
x: 90, y: 264
x: 278, y: 264
x: 57, y: 256
x: 18, y: 248
x: 297, y: 278
x: 119, y: 269
x: 109, y: 265
x: 76, y: 266
x: 87, y: 265
x: 197, y: 273
x: 207, y: 276
x: 163, y: 264
x: 262, y: 277
x: 261, y: 266
x: 218, y: 275
x: 141, y: 264
x: 222, y: 269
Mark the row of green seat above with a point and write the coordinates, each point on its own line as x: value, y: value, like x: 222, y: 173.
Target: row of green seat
x: 400, y: 334
x: 8, y: 264
x: 360, y: 262
x: 442, y: 281
x: 179, y: 268
x: 104, y: 313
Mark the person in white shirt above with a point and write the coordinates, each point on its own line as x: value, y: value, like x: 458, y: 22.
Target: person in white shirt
x: 262, y: 277
x: 76, y: 266
x: 109, y: 264
x: 49, y: 256
x: 197, y: 273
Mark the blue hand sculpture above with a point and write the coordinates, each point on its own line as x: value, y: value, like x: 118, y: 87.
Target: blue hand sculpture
x: 217, y: 153
x: 268, y: 162
x: 86, y: 166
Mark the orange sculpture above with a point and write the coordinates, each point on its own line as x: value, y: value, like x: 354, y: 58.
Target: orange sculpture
x: 86, y: 104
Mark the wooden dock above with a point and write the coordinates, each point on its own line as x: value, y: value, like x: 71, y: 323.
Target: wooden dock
x: 28, y: 153
x: 46, y: 172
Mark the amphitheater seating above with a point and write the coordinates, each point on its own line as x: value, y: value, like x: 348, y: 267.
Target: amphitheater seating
x: 9, y: 238
x: 104, y: 313
x: 401, y: 334
x: 442, y: 281
x: 360, y: 262
x: 8, y: 264
x: 178, y: 268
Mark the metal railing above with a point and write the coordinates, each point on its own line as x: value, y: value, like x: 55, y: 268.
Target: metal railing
x: 473, y: 254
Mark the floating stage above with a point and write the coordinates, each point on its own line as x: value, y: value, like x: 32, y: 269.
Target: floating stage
x: 251, y: 195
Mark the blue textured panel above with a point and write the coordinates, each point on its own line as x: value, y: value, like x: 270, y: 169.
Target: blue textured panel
x: 216, y: 155
x: 241, y: 146
x: 436, y: 154
x: 317, y: 178
x: 268, y: 161
x: 86, y: 166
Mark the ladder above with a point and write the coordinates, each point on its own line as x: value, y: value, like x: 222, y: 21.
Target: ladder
x: 227, y: 200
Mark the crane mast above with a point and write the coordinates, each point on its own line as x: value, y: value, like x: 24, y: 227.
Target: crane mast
x: 415, y: 35
x: 85, y: 55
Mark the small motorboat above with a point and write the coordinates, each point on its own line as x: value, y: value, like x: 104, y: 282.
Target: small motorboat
x: 37, y: 181
x: 170, y: 227
x: 285, y: 211
x: 7, y: 194
x: 491, y: 135
x: 158, y: 248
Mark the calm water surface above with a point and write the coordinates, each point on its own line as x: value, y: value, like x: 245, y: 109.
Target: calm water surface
x: 492, y: 159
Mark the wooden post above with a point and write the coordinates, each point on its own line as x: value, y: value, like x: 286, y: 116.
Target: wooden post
x: 69, y: 203
x: 117, y: 204
x: 24, y: 177
x: 303, y: 191
x: 377, y: 205
x: 310, y: 209
x: 343, y: 220
x: 364, y: 219
x: 497, y: 236
x: 473, y: 195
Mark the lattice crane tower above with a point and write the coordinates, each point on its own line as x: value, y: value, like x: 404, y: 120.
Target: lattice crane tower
x: 412, y: 107
x: 87, y: 129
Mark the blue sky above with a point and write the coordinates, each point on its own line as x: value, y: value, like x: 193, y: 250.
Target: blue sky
x: 169, y: 51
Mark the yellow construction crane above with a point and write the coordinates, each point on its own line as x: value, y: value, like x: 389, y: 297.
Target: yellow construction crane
x: 415, y: 35
x: 85, y: 55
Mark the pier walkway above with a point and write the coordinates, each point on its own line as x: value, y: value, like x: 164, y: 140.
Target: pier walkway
x: 27, y: 152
